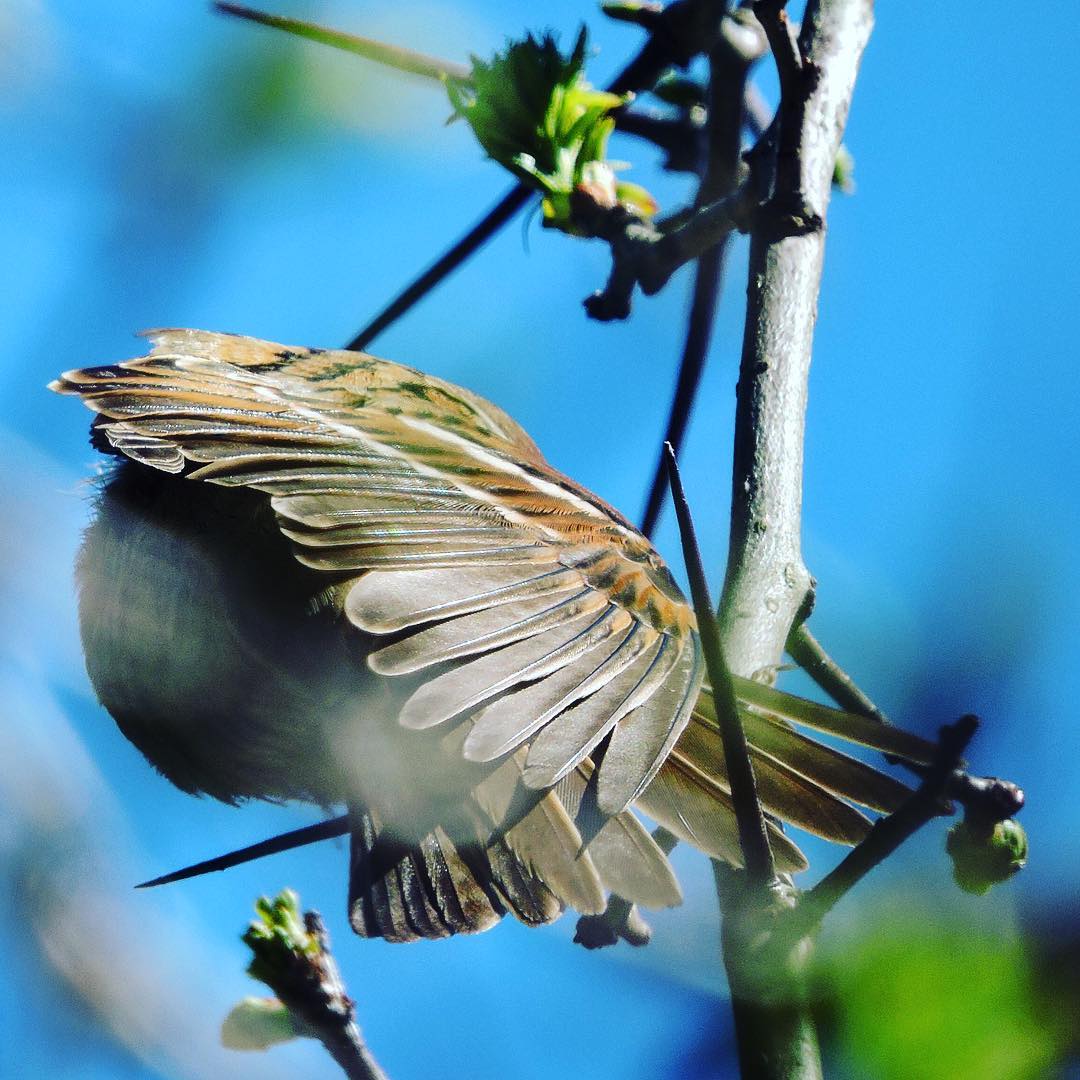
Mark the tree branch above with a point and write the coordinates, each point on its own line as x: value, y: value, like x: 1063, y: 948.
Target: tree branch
x: 645, y: 256
x: 708, y: 277
x: 767, y: 582
x: 293, y: 958
x: 330, y: 1012
x: 809, y: 654
x: 445, y: 265
x: 798, y: 76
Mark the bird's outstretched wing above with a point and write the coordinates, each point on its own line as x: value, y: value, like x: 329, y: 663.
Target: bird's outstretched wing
x: 512, y: 597
x: 539, y: 611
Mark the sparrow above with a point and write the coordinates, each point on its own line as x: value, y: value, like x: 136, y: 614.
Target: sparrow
x: 318, y: 575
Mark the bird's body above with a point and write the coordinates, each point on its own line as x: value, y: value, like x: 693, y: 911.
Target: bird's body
x: 382, y: 595
x: 235, y: 631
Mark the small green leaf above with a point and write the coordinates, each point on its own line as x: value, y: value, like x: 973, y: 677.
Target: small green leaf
x: 257, y: 1024
x: 278, y: 936
x: 636, y: 197
x: 680, y: 91
x: 844, y: 171
x: 533, y: 112
x: 639, y: 12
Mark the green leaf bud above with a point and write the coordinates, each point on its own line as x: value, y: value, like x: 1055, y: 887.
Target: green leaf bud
x: 982, y: 859
x: 533, y: 112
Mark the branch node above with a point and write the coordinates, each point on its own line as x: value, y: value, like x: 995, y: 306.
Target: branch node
x: 786, y: 214
x: 643, y: 256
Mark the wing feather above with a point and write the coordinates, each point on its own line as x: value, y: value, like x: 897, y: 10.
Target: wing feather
x: 865, y: 730
x: 561, y: 747
x: 545, y: 700
x: 482, y: 631
x: 515, y: 717
x: 700, y: 814
x: 627, y: 858
x: 828, y: 768
x: 471, y: 684
x: 542, y: 835
x: 641, y: 742
x: 383, y: 603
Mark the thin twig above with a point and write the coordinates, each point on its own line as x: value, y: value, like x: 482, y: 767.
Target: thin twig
x: 810, y: 655
x: 707, y: 279
x: 888, y: 833
x: 644, y: 256
x: 730, y: 60
x: 789, y: 68
x: 706, y: 227
x: 394, y: 56
x: 798, y: 74
x: 309, y: 834
x: 445, y: 265
x: 753, y: 835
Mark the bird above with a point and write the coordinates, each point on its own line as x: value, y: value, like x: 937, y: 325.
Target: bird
x: 314, y: 574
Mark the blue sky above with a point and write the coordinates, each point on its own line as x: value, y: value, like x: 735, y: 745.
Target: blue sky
x: 144, y: 185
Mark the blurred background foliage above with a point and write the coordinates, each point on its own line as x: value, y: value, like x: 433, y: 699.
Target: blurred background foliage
x: 166, y: 167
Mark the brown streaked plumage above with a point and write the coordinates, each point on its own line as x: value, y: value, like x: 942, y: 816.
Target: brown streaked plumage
x: 381, y: 594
